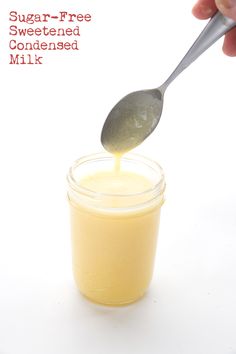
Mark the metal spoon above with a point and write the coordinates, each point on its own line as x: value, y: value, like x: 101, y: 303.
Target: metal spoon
x: 136, y: 115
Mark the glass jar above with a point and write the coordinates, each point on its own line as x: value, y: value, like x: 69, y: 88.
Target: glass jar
x: 114, y: 235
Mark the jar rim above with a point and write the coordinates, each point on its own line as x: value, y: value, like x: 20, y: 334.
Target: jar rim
x: 157, y: 189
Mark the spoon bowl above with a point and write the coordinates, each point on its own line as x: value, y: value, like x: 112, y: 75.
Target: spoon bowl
x: 132, y: 120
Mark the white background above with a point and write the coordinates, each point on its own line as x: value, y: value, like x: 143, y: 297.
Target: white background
x: 52, y: 114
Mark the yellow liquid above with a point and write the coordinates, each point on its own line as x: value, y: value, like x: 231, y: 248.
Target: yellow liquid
x: 114, y: 248
x: 117, y: 159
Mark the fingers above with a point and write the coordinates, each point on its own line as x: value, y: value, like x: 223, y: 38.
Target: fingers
x: 204, y: 9
x: 227, y: 7
x: 229, y: 46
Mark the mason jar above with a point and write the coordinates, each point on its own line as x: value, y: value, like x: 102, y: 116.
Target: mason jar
x: 114, y: 236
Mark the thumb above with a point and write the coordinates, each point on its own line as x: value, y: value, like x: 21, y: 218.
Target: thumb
x: 227, y: 7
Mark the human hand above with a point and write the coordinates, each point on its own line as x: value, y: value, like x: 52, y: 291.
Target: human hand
x: 206, y: 8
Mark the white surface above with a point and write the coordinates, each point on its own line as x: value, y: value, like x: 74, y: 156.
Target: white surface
x: 47, y: 113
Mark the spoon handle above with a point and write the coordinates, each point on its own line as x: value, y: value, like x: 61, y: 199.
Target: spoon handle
x: 216, y: 28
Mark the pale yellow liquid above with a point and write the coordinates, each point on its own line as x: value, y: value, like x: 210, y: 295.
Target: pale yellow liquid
x: 114, y: 249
